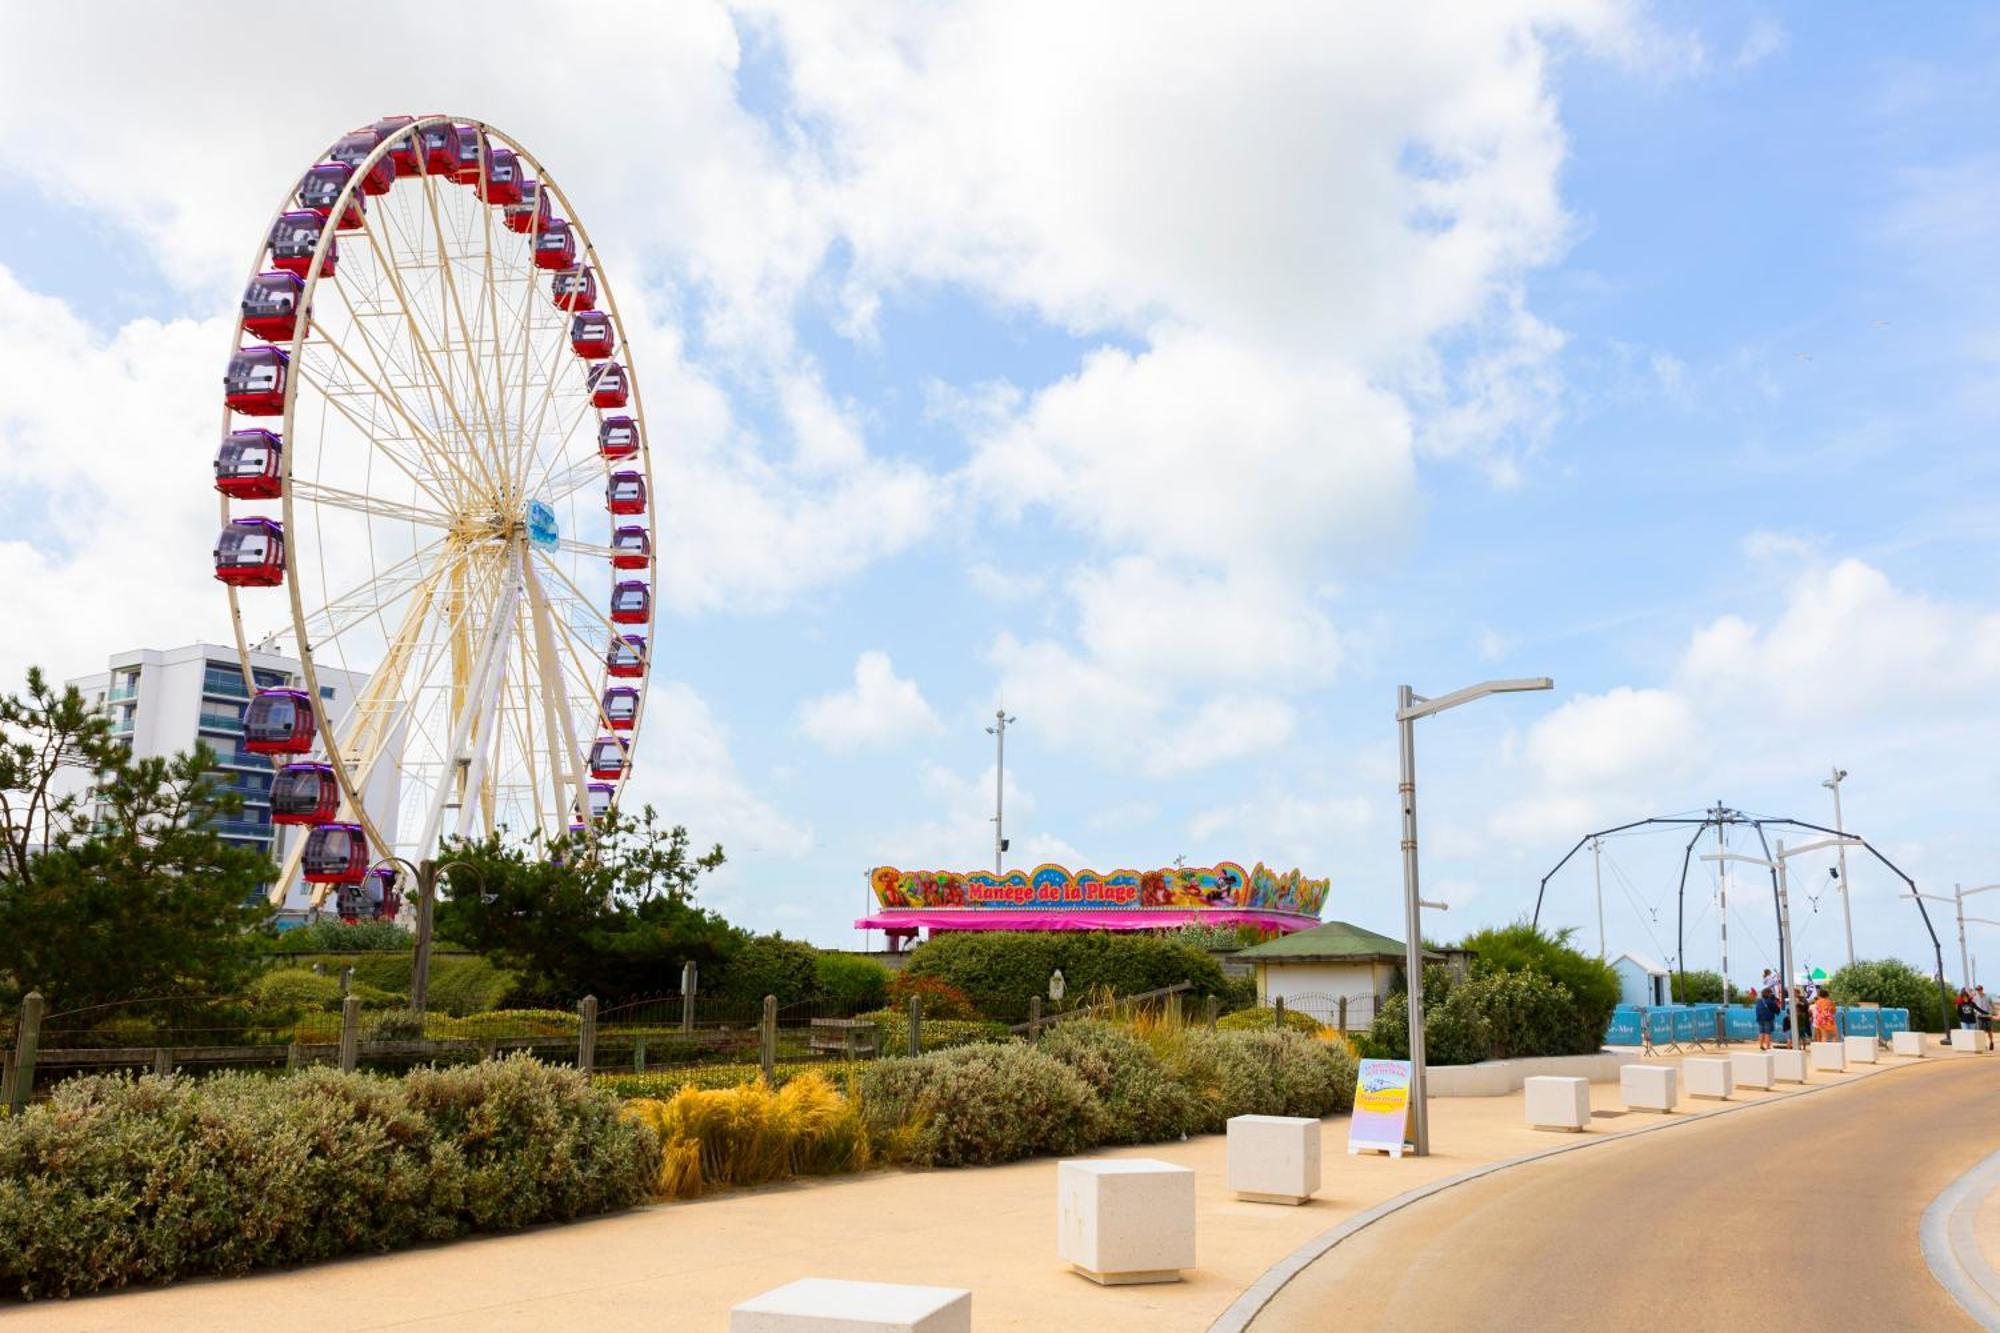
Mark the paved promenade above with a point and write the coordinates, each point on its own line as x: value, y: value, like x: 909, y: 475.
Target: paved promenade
x: 1688, y: 1230
x: 681, y: 1266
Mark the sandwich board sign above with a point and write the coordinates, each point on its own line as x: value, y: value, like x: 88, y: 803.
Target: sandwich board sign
x: 1381, y: 1108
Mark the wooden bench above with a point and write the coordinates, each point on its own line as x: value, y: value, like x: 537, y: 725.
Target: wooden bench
x: 854, y: 1037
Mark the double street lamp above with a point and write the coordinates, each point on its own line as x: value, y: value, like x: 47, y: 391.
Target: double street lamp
x: 1959, y: 893
x: 426, y: 873
x: 1776, y: 865
x: 1409, y: 707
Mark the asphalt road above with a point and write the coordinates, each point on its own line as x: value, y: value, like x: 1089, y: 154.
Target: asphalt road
x: 1692, y: 1228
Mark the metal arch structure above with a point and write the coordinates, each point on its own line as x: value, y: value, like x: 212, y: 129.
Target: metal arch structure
x: 1719, y: 817
x: 433, y: 393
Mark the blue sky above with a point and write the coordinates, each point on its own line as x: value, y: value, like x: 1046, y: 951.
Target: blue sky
x: 1188, y: 390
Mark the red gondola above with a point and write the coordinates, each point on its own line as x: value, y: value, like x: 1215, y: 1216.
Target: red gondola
x: 380, y: 887
x: 574, y: 288
x: 621, y: 707
x: 271, y: 308
x: 280, y: 722
x: 601, y: 796
x: 609, y: 386
x: 255, y: 382
x: 626, y: 493
x: 631, y: 603
x: 631, y: 548
x: 626, y: 657
x: 555, y: 245
x: 335, y: 854
x: 469, y: 152
x: 319, y: 190
x: 531, y: 214
x: 590, y: 334
x: 608, y: 758
x: 250, y: 465
x: 617, y: 437
x: 440, y: 149
x: 304, y: 794
x: 502, y: 184
x: 293, y: 238
x: 408, y: 152
x: 353, y: 149
x: 250, y: 553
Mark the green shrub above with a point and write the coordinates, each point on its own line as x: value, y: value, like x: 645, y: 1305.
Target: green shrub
x: 341, y: 937
x: 940, y: 998
x: 1237, y: 993
x: 1001, y: 970
x: 115, y: 1180
x: 771, y: 965
x: 1699, y: 988
x: 1488, y: 1016
x: 292, y: 990
x: 1142, y: 1102
x: 504, y: 1023
x: 1893, y: 984
x: 374, y: 997
x: 460, y: 983
x: 1259, y: 1073
x: 1266, y: 1020
x: 852, y: 985
x: 978, y: 1105
x: 1592, y: 985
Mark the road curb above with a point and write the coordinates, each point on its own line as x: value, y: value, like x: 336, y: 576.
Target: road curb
x: 1258, y: 1294
x: 1951, y: 1250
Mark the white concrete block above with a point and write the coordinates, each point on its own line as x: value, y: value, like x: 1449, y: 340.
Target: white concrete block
x: 1830, y: 1055
x: 1557, y: 1103
x: 1788, y: 1066
x: 826, y: 1305
x: 1860, y: 1050
x: 1709, y: 1076
x: 1649, y: 1087
x: 1753, y: 1069
x: 1125, y: 1220
x: 1906, y: 1043
x: 1273, y: 1158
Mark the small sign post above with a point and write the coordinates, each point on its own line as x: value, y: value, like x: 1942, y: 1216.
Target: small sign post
x: 1381, y: 1108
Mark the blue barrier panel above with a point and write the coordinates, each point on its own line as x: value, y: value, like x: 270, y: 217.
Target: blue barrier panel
x: 1624, y: 1029
x: 1684, y: 1025
x: 1860, y: 1023
x: 1741, y: 1021
x: 1895, y: 1020
x: 1704, y: 1019
x: 1660, y: 1027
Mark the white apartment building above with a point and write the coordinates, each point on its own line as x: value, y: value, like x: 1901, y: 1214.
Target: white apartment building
x: 164, y: 701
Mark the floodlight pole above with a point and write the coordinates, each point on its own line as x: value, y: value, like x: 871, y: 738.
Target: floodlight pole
x: 1776, y: 863
x: 998, y: 731
x: 1409, y: 707
x: 1832, y: 784
x: 1597, y: 875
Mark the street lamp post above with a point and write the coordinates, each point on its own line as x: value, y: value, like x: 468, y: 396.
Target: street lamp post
x: 1409, y: 707
x: 1776, y: 864
x: 1832, y: 784
x: 426, y: 872
x: 998, y: 731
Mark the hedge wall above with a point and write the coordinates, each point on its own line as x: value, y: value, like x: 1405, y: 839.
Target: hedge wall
x: 1002, y: 970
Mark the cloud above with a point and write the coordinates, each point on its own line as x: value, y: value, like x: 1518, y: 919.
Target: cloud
x: 685, y: 769
x: 882, y: 709
x: 962, y: 833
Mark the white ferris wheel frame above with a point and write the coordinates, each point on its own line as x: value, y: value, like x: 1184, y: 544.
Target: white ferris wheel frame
x: 377, y: 721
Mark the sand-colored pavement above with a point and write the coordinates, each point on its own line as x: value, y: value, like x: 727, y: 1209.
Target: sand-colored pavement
x: 1687, y: 1230
x: 681, y: 1266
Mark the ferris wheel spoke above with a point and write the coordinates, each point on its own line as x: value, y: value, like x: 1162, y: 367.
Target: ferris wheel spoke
x: 336, y: 498
x: 324, y: 625
x: 585, y: 548
x: 550, y: 670
x: 466, y: 336
x: 562, y: 577
x: 432, y: 446
x: 341, y: 399
x: 563, y: 440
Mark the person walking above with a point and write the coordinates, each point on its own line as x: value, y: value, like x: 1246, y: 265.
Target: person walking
x: 1825, y: 1022
x: 1982, y: 1012
x: 1767, y: 1009
x: 1968, y: 1017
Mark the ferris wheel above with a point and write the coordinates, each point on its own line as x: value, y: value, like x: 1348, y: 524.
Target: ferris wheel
x: 433, y: 448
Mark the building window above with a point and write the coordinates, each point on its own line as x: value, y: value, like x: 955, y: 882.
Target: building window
x: 326, y: 691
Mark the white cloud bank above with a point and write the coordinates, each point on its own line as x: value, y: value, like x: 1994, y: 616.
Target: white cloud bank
x: 882, y: 709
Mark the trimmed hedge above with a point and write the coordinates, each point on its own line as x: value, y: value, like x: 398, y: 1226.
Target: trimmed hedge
x: 1002, y: 970
x: 978, y: 1105
x: 940, y: 998
x: 1142, y: 1101
x: 852, y: 985
x: 461, y: 984
x: 117, y: 1180
x: 1266, y: 1020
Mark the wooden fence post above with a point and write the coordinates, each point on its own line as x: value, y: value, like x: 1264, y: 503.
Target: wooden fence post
x: 26, y: 1043
x: 163, y: 1060
x: 916, y: 1025
x: 1209, y: 1009
x: 347, y: 979
x: 639, y: 1055
x: 350, y: 1033
x: 586, y: 1033
x: 295, y: 1056
x: 768, y: 1046
x: 1034, y: 1017
x: 1278, y: 1013
x: 1343, y: 1013
x: 690, y: 977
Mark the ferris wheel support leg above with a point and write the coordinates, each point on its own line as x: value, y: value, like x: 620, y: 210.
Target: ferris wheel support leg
x: 478, y: 703
x: 486, y: 734
x: 551, y: 674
